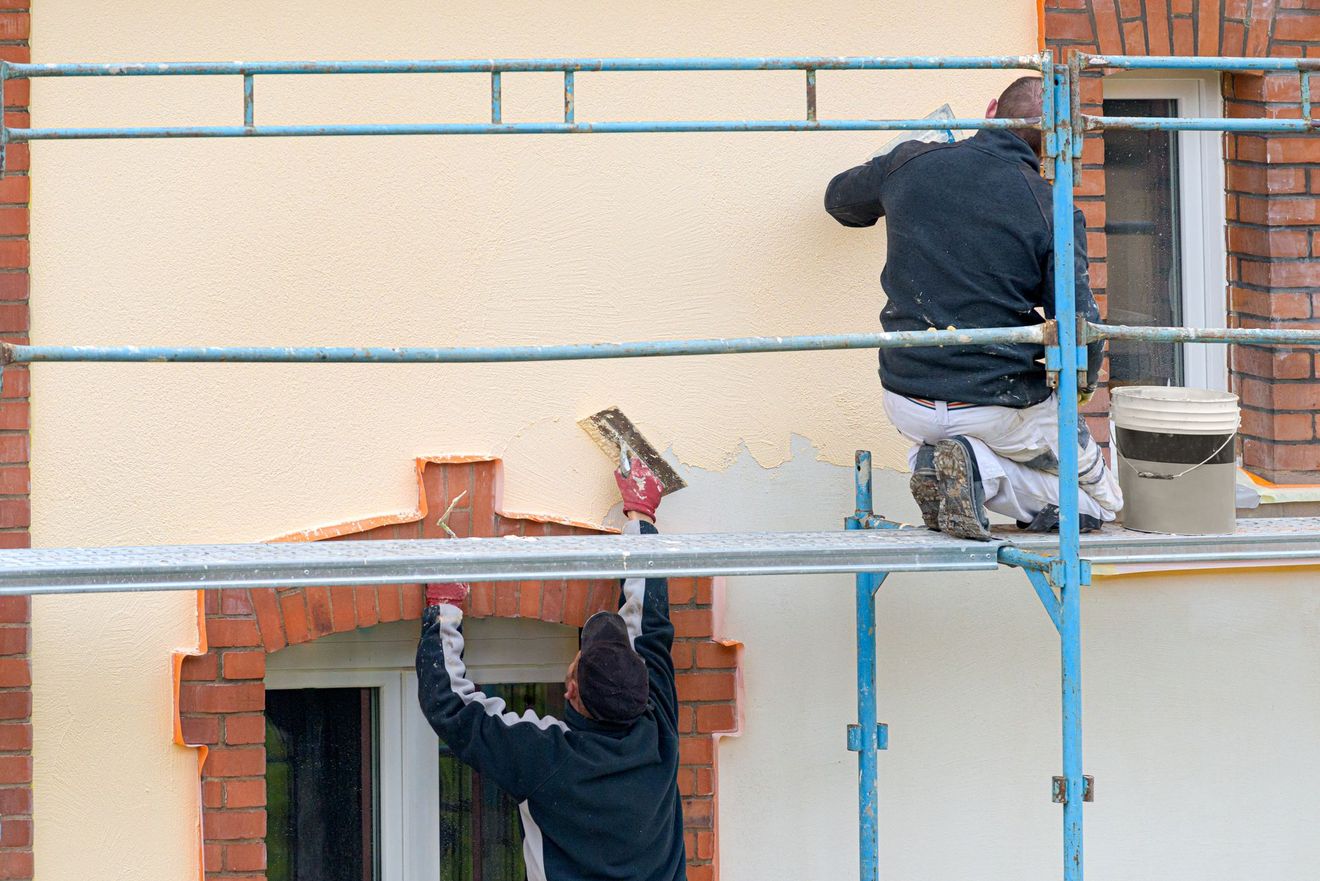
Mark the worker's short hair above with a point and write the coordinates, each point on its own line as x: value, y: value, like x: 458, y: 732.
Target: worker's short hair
x: 1022, y: 99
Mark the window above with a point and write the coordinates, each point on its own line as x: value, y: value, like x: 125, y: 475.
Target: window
x: 321, y: 818
x: 419, y: 814
x: 1164, y: 196
x: 1142, y: 226
x: 480, y: 832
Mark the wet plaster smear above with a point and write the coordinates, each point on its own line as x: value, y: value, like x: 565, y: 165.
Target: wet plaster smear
x: 486, y: 241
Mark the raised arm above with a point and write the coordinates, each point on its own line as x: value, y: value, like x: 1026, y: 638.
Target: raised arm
x: 644, y: 607
x: 518, y: 752
x: 644, y: 602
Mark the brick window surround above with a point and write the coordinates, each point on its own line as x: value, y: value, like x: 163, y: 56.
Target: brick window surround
x: 15, y: 612
x: 221, y: 693
x: 1272, y: 203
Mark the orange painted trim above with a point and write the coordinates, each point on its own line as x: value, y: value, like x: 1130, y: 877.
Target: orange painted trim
x: 176, y: 667
x: 1260, y: 481
x: 562, y: 521
x: 365, y: 524
x: 1040, y: 25
x: 1190, y: 569
x: 717, y: 607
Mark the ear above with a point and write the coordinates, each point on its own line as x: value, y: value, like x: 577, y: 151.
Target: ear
x: 571, y: 689
x: 992, y: 108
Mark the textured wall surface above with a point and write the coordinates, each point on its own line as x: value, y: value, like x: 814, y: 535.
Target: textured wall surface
x: 427, y: 241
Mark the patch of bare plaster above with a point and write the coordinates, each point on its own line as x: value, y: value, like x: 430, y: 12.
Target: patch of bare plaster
x: 804, y: 492
x: 874, y: 433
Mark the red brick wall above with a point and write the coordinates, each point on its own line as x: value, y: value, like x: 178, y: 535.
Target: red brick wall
x: 1273, y: 203
x: 222, y: 695
x: 1274, y: 266
x: 15, y: 612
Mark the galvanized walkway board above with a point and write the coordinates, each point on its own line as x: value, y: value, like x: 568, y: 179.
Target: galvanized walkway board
x: 83, y: 570
x: 73, y: 570
x: 1276, y: 539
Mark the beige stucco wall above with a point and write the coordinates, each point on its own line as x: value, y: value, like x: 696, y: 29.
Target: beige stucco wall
x: 422, y: 241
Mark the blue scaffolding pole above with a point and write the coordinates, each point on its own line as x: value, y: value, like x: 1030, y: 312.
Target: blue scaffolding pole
x: 1057, y: 580
x: 1071, y: 359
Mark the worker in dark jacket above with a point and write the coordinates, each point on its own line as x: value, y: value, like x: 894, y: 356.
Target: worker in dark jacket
x: 598, y: 789
x: 971, y: 245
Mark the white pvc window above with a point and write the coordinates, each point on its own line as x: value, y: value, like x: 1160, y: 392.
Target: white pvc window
x: 1197, y: 170
x: 408, y: 774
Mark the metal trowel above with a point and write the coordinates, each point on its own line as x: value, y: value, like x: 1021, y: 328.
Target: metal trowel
x: 618, y: 438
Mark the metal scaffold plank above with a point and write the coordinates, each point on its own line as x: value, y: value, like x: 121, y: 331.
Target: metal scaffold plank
x: 75, y: 570
x: 185, y: 567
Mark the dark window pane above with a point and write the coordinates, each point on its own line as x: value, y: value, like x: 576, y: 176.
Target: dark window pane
x: 480, y: 833
x: 321, y: 816
x: 1142, y: 227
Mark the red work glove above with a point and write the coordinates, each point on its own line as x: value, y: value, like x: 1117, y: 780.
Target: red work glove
x: 451, y: 592
x: 641, y: 489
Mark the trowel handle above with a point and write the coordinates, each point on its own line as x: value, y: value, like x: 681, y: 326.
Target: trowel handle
x: 625, y: 461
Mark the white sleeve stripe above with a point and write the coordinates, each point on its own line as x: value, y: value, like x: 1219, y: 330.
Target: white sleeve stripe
x: 634, y: 593
x: 451, y: 640
x: 533, y: 847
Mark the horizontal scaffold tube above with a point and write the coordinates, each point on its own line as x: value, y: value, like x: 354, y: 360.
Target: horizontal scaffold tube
x: 479, y: 354
x: 1198, y: 124
x: 20, y: 354
x: 1205, y: 62
x: 20, y: 135
x: 521, y: 65
x: 1260, y: 336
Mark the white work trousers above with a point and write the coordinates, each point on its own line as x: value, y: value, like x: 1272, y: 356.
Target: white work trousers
x: 1016, y: 451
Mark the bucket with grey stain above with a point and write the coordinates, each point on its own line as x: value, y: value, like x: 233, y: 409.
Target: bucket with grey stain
x: 1175, y: 458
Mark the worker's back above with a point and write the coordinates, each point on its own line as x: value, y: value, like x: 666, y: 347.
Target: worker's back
x: 599, y: 799
x: 969, y: 245
x: 611, y: 809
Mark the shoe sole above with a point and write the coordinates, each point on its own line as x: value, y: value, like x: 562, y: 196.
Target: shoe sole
x: 959, y: 514
x: 926, y: 490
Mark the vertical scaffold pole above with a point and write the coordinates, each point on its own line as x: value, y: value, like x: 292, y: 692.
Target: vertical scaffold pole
x: 1065, y: 311
x: 865, y: 737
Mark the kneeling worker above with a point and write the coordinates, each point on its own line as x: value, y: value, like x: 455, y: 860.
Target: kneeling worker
x: 597, y: 790
x: 971, y: 245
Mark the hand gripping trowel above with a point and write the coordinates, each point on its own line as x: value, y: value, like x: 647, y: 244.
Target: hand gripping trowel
x: 617, y: 438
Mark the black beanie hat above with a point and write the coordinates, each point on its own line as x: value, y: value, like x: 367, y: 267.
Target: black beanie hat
x: 612, y: 681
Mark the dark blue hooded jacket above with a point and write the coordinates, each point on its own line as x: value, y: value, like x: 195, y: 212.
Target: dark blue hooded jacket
x: 599, y: 801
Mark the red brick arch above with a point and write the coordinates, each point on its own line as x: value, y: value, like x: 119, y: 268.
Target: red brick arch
x: 222, y: 691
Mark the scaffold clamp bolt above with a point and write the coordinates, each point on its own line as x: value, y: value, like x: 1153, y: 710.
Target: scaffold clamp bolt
x: 1060, y: 789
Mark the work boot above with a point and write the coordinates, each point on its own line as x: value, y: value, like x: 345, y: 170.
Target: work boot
x: 925, y: 486
x: 962, y: 498
x: 1047, y: 520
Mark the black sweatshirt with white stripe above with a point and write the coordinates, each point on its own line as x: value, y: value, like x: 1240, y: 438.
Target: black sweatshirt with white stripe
x: 599, y: 801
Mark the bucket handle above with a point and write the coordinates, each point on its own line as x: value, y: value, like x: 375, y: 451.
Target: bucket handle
x: 1151, y: 475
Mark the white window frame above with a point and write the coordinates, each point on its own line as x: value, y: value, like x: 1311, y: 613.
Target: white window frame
x: 383, y: 657
x: 1201, y: 214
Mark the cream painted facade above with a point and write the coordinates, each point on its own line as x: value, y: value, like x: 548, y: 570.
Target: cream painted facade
x: 1197, y: 688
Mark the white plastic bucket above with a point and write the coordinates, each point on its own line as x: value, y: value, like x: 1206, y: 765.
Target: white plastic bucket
x: 1176, y: 459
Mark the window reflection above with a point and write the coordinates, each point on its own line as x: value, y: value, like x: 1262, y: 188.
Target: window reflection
x: 322, y: 817
x: 1142, y: 230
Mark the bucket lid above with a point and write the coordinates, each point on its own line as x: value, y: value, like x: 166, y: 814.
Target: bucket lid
x: 1174, y: 410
